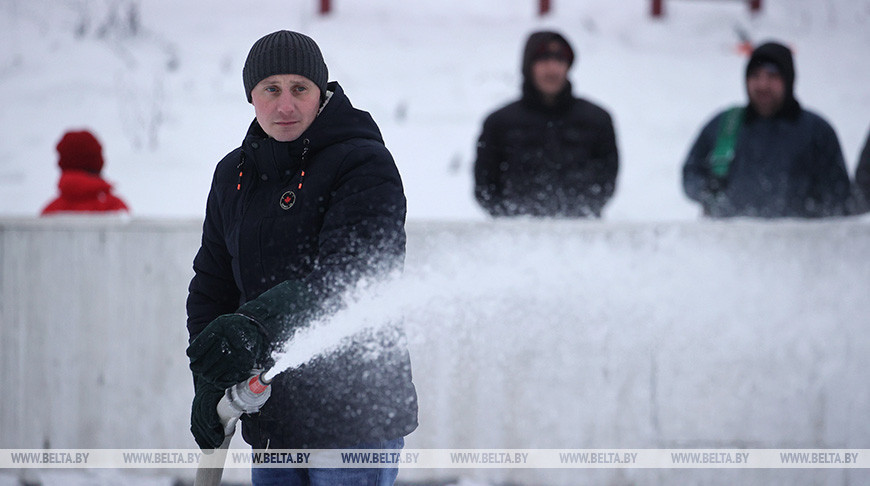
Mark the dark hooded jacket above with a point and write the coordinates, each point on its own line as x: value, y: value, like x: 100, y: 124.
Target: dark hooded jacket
x: 786, y: 165
x: 536, y: 159
x: 327, y: 209
x: 862, y: 180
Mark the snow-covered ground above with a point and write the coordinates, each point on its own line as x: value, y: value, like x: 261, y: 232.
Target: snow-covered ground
x: 167, y: 101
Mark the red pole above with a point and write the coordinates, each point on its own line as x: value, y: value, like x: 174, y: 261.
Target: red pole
x: 657, y: 8
x: 755, y: 5
x: 543, y: 7
x: 325, y: 7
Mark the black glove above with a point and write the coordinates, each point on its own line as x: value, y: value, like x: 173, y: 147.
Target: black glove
x: 232, y: 345
x: 204, y: 421
x: 282, y: 309
x: 226, y: 351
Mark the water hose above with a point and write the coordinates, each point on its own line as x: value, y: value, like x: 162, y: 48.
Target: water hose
x: 244, y: 397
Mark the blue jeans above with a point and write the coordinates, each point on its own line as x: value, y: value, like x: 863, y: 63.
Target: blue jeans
x: 374, y: 476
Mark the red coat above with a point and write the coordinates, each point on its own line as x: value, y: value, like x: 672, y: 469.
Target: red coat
x: 83, y: 191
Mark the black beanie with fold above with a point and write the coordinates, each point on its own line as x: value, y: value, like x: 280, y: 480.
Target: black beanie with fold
x: 284, y: 52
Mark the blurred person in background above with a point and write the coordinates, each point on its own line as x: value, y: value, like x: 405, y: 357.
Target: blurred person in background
x: 862, y: 180
x: 310, y: 205
x: 770, y: 158
x: 81, y: 187
x: 549, y: 154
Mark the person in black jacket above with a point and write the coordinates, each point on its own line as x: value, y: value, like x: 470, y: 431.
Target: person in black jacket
x: 310, y: 205
x: 770, y: 158
x: 862, y: 180
x: 550, y: 153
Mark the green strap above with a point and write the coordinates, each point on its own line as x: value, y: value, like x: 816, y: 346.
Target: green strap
x: 723, y: 152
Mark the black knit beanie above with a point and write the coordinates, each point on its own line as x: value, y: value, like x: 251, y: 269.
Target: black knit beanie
x: 284, y: 52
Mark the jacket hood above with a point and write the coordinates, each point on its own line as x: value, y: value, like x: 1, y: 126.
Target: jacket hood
x: 337, y: 122
x: 781, y: 57
x: 777, y: 54
x: 80, y: 150
x: 538, y: 41
x: 535, y: 46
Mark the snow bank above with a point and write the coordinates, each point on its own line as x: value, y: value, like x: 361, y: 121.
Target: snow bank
x: 524, y: 334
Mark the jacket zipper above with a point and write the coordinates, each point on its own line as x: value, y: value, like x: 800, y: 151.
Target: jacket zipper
x: 306, y: 146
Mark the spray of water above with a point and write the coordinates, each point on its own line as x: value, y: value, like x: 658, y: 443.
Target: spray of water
x: 372, y: 305
x: 367, y: 307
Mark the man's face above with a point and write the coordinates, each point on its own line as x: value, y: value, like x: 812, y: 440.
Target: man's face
x: 285, y: 105
x: 550, y: 75
x: 766, y: 90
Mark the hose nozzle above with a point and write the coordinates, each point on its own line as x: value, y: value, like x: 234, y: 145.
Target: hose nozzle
x: 243, y: 397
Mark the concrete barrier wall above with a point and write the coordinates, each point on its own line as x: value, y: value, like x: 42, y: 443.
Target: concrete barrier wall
x: 524, y: 334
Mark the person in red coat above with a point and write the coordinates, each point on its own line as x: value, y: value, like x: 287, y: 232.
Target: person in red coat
x: 81, y: 187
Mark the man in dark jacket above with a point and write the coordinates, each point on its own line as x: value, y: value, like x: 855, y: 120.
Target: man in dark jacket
x: 309, y: 205
x: 771, y: 158
x: 550, y: 153
x: 862, y: 180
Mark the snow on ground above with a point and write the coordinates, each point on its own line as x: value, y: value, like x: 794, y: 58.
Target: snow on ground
x: 168, y: 102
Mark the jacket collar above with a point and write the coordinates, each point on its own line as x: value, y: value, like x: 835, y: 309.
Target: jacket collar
x: 533, y: 99
x: 78, y: 184
x: 337, y: 122
x: 790, y: 110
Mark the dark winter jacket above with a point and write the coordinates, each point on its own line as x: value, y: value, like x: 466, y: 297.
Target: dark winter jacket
x: 862, y: 180
x: 325, y: 210
x: 785, y: 166
x: 539, y: 162
x: 546, y: 160
x: 82, y: 191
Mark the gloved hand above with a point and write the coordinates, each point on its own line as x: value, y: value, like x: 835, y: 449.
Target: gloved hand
x: 205, y: 423
x: 226, y: 351
x: 232, y: 345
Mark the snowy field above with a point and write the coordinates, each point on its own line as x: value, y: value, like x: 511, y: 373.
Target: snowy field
x: 167, y: 101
